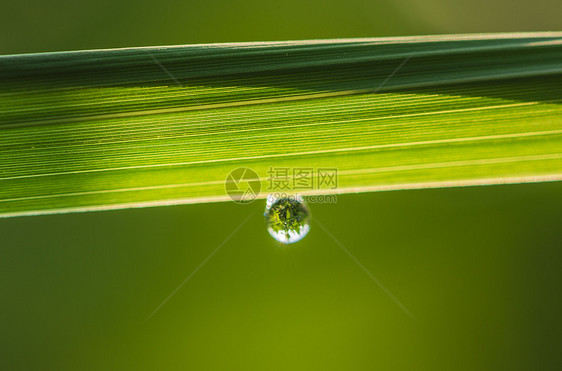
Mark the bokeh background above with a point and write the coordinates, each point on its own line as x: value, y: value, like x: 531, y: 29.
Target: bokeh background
x: 54, y: 25
x: 479, y: 268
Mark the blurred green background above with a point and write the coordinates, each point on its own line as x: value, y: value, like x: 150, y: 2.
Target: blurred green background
x: 478, y: 267
x: 36, y: 26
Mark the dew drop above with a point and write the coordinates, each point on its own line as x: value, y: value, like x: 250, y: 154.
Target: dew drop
x: 288, y: 218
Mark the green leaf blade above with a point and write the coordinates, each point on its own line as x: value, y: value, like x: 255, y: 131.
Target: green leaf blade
x: 140, y: 127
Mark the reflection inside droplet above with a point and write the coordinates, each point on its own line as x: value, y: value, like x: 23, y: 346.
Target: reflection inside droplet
x: 288, y: 218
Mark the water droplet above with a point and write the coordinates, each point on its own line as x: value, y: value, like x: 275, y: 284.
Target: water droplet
x: 288, y: 218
